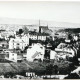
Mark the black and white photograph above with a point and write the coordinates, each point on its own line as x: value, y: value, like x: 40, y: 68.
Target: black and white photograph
x: 39, y: 40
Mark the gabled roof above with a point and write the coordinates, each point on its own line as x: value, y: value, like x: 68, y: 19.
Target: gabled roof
x: 49, y: 45
x: 61, y: 45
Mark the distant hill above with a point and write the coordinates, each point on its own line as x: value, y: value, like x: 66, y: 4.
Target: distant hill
x: 15, y: 24
x: 70, y: 30
x: 74, y: 30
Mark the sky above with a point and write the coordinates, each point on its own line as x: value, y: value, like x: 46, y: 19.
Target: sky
x: 59, y: 11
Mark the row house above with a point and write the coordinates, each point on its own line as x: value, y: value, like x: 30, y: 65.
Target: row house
x: 32, y: 35
x: 42, y: 37
x: 38, y: 36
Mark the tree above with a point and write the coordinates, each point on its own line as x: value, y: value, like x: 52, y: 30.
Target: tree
x: 49, y: 69
x: 25, y: 29
x: 56, y: 69
x: 70, y: 36
x: 72, y: 67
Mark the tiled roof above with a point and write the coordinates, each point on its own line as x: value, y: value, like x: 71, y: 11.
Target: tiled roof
x: 46, y: 30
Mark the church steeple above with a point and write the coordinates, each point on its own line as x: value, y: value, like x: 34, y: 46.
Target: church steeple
x: 39, y: 22
x: 39, y: 27
x: 47, y: 25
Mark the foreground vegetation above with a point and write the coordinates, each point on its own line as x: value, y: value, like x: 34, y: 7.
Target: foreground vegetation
x: 40, y: 68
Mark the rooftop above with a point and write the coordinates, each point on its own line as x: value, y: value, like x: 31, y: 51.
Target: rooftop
x: 39, y: 34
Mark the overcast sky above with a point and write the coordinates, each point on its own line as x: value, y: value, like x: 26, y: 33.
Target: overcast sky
x: 51, y: 11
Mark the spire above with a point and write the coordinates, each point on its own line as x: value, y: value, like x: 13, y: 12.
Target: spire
x: 39, y: 27
x: 47, y: 24
x: 39, y: 22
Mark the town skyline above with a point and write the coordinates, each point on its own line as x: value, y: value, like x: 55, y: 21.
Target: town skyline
x: 39, y: 40
x: 29, y: 22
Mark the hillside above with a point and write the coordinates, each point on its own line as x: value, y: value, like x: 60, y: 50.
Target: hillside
x: 37, y: 67
x: 14, y: 67
x: 74, y: 30
x: 70, y: 30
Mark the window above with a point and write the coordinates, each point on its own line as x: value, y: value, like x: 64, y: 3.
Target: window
x: 17, y: 43
x: 12, y: 58
x: 22, y: 41
x: 12, y: 54
x: 41, y: 37
x: 7, y: 55
x: 41, y: 47
x: 22, y: 47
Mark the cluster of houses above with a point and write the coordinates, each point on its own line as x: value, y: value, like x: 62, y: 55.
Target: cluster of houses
x: 18, y: 48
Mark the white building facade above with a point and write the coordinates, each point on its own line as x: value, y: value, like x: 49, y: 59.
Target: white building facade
x: 52, y: 54
x: 38, y: 36
x: 19, y: 42
x: 11, y: 56
x: 35, y: 51
x: 63, y: 50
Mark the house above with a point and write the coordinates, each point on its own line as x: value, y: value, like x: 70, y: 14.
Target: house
x: 42, y: 36
x: 35, y: 51
x: 11, y: 56
x: 75, y: 37
x: 64, y: 50
x: 19, y: 42
x: 52, y: 54
x: 8, y: 56
x: 32, y: 35
x: 38, y: 36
